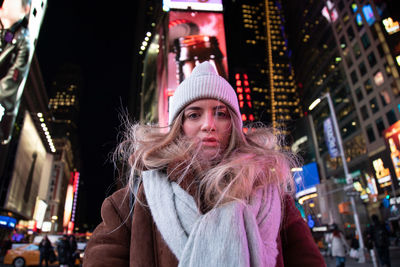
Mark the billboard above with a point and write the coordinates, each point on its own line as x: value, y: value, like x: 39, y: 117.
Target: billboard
x: 330, y: 138
x: 305, y: 179
x: 28, y: 169
x: 392, y: 138
x: 193, y: 37
x: 21, y: 25
x: 206, y: 5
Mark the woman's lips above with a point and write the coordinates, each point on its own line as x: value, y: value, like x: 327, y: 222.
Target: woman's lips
x: 209, y: 141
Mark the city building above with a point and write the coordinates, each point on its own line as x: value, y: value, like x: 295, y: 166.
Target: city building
x: 342, y: 47
x: 255, y: 30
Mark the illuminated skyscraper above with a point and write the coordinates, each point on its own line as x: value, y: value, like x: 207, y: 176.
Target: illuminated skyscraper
x: 259, y: 59
x: 64, y: 106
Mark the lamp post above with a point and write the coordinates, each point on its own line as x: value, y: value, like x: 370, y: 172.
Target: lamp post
x: 349, y: 179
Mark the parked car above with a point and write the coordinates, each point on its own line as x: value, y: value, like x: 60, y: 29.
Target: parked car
x: 28, y: 255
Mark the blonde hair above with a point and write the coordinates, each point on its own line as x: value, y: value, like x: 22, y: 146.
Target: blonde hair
x: 252, y: 160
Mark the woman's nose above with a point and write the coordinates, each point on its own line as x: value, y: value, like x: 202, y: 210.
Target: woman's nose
x: 208, y: 122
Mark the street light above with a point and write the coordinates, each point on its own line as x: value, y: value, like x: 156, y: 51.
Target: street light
x: 349, y: 179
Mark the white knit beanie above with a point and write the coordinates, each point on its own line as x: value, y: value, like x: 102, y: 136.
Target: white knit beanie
x: 203, y: 82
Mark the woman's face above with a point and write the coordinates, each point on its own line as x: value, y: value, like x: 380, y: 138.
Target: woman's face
x: 208, y: 122
x: 13, y: 10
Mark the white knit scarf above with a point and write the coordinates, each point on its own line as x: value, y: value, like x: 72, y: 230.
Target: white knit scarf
x: 234, y: 234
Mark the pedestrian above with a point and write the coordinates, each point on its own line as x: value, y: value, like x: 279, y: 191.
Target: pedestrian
x: 73, y: 245
x: 14, y: 65
x: 339, y: 247
x: 354, y: 246
x: 64, y: 251
x: 210, y: 193
x: 380, y: 238
x: 45, y: 249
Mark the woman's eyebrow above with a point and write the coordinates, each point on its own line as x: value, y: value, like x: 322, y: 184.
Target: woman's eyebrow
x: 193, y: 108
x: 219, y: 107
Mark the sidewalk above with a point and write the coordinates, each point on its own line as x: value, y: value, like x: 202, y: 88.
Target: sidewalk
x: 394, y: 257
x: 331, y: 262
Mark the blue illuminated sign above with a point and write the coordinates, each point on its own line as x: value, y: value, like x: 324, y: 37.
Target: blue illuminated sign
x: 330, y: 138
x: 7, y: 222
x: 368, y: 14
x: 306, y: 178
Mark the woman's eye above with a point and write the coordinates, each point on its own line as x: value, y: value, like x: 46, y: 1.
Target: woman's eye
x: 221, y: 114
x: 192, y: 115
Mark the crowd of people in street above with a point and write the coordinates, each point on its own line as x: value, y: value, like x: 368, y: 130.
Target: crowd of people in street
x: 66, y: 251
x: 376, y: 241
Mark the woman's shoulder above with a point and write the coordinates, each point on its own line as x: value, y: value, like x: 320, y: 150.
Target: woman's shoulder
x: 119, y: 202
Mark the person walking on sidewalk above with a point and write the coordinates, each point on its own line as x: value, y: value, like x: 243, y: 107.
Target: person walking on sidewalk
x: 339, y: 247
x: 380, y: 237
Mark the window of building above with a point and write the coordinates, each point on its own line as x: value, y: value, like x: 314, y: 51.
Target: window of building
x: 395, y: 88
x: 349, y: 128
x: 391, y: 117
x: 365, y: 41
x: 339, y: 27
x: 345, y: 111
x: 368, y: 86
x: 346, y: 18
x: 380, y: 50
x: 354, y: 77
x: 385, y: 97
x: 371, y: 59
x: 347, y: 57
x: 388, y: 70
x: 355, y: 147
x: 362, y: 68
x: 340, y: 5
x: 378, y: 78
x: 364, y: 112
x: 356, y: 50
x: 380, y: 125
x: 358, y: 21
x: 370, y: 133
x: 373, y: 32
x: 350, y: 33
x: 343, y: 44
x: 374, y: 105
x: 359, y: 94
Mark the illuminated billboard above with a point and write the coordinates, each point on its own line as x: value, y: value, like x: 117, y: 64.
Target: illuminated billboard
x: 205, y: 5
x: 306, y: 178
x: 392, y: 138
x: 193, y: 37
x: 22, y: 29
x: 28, y: 169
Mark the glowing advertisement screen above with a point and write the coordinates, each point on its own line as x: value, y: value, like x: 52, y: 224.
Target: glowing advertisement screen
x: 193, y: 37
x: 28, y: 170
x: 206, y: 5
x: 392, y: 138
x: 306, y: 178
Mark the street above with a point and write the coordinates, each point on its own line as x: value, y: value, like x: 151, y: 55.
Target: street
x: 330, y: 262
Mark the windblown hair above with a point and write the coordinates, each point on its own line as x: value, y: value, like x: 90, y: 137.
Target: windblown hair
x: 251, y: 161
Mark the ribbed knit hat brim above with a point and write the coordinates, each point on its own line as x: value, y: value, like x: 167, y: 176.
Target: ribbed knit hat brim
x: 203, y: 83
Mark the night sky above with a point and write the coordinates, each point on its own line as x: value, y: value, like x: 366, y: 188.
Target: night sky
x: 99, y: 38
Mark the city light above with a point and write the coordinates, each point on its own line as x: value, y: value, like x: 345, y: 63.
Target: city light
x: 314, y: 104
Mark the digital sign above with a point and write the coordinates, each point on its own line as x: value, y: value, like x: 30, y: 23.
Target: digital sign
x: 7, y: 222
x: 193, y: 37
x: 305, y: 179
x: 206, y: 5
x: 392, y: 138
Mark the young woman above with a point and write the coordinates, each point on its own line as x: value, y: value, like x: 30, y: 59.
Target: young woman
x: 339, y: 247
x: 210, y: 194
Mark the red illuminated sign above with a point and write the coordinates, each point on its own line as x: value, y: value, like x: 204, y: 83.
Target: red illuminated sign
x: 244, y: 97
x: 193, y: 37
x: 392, y: 138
